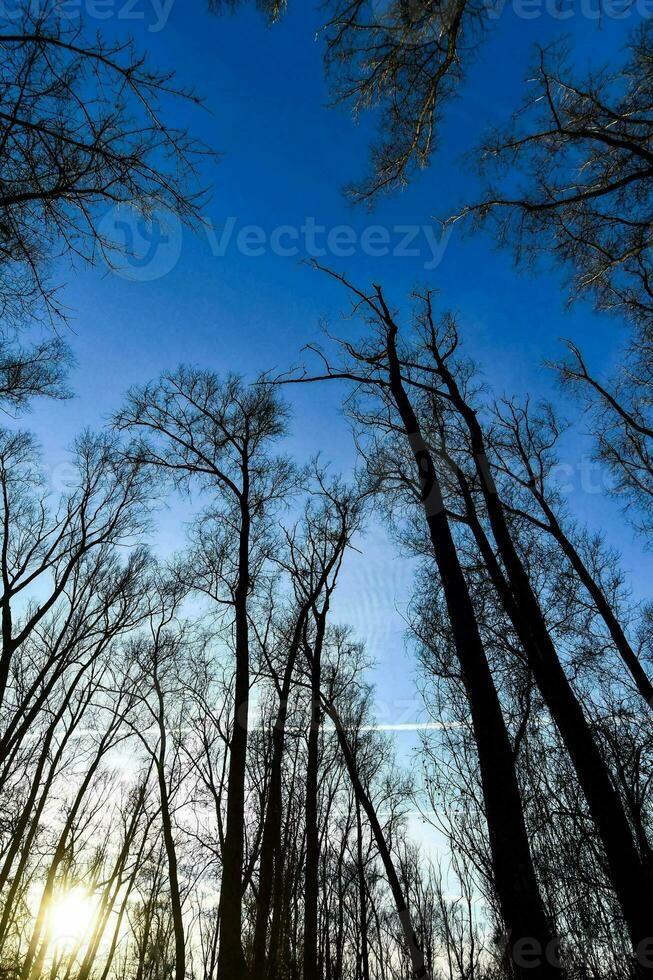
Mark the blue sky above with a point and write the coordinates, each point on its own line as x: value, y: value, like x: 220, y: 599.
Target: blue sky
x: 285, y: 156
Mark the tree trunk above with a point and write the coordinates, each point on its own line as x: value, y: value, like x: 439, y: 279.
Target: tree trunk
x: 362, y: 897
x: 631, y: 879
x: 173, y: 877
x: 512, y: 865
x: 231, y: 961
x: 272, y: 826
x: 363, y: 800
x: 311, y: 875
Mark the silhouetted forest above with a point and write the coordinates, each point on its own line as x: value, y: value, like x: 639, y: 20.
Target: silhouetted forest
x: 193, y: 783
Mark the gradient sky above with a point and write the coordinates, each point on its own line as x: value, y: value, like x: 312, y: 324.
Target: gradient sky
x: 285, y: 156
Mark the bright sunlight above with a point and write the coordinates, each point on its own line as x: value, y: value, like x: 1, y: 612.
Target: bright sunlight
x: 72, y: 917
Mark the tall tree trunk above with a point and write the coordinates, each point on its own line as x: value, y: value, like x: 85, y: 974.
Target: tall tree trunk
x: 362, y: 799
x: 328, y: 973
x: 281, y: 876
x: 276, y: 925
x: 173, y: 876
x: 631, y: 878
x: 512, y: 865
x: 272, y: 825
x: 362, y: 896
x: 340, y: 924
x: 311, y: 874
x: 231, y: 961
x: 310, y: 589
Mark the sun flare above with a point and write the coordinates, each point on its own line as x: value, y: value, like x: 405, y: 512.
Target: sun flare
x: 71, y: 918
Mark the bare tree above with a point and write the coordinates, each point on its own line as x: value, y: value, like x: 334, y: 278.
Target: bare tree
x: 406, y: 57
x: 378, y: 369
x: 218, y: 435
x: 524, y: 442
x: 448, y: 384
x: 619, y: 416
x: 584, y: 149
x: 81, y: 130
x: 47, y: 551
x: 162, y: 697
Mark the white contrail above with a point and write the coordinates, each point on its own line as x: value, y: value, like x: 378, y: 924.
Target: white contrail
x: 416, y: 726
